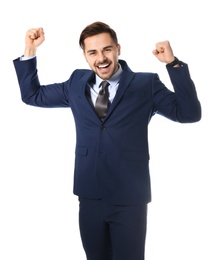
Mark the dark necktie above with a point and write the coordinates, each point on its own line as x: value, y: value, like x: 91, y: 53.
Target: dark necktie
x: 101, y: 105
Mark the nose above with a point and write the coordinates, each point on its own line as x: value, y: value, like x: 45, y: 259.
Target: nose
x: 101, y: 57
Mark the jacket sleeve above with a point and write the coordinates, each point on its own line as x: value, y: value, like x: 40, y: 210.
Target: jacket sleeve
x: 182, y: 104
x: 32, y: 93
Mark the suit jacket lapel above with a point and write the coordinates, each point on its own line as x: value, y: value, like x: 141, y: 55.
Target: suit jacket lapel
x: 84, y: 88
x: 125, y: 81
x: 85, y: 94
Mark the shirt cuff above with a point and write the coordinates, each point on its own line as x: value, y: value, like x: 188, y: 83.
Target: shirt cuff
x: 22, y: 58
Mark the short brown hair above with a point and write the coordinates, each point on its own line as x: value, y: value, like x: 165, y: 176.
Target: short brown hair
x: 96, y: 28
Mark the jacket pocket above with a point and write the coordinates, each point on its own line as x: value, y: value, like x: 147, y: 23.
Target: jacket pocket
x: 81, y: 151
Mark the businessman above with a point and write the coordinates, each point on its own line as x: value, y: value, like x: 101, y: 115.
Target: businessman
x: 112, y: 107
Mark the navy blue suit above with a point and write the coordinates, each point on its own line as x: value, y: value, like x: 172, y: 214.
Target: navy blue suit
x: 112, y: 156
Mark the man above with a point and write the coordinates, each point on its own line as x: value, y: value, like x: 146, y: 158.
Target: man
x: 111, y: 176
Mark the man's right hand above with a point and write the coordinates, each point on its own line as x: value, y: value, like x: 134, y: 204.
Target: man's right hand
x: 34, y: 38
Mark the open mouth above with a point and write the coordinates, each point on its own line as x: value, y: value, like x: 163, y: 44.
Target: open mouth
x: 104, y: 66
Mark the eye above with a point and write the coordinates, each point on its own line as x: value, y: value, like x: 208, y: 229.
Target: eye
x: 91, y: 53
x: 108, y: 49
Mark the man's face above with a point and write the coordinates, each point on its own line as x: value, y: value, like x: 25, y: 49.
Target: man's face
x: 101, y: 53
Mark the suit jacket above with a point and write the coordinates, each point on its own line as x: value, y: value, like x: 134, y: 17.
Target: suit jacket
x: 112, y: 156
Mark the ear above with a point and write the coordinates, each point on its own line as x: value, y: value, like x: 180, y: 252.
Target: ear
x: 119, y: 49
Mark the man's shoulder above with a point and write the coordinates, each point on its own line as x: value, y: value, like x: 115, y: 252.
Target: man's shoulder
x: 82, y: 74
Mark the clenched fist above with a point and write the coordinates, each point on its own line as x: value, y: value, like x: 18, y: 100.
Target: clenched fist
x: 34, y: 38
x: 164, y: 52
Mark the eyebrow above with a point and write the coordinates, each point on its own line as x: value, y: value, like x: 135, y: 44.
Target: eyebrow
x: 109, y: 46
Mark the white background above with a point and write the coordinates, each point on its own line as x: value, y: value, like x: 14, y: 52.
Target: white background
x: 38, y: 211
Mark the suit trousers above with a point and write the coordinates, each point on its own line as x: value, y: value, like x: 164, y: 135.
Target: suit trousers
x: 112, y: 232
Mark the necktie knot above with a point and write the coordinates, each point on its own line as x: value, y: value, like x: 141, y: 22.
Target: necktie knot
x: 104, y: 87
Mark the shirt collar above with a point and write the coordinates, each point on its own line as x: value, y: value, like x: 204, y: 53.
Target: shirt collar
x: 113, y: 80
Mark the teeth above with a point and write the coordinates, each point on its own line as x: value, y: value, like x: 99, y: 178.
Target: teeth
x: 103, y: 66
